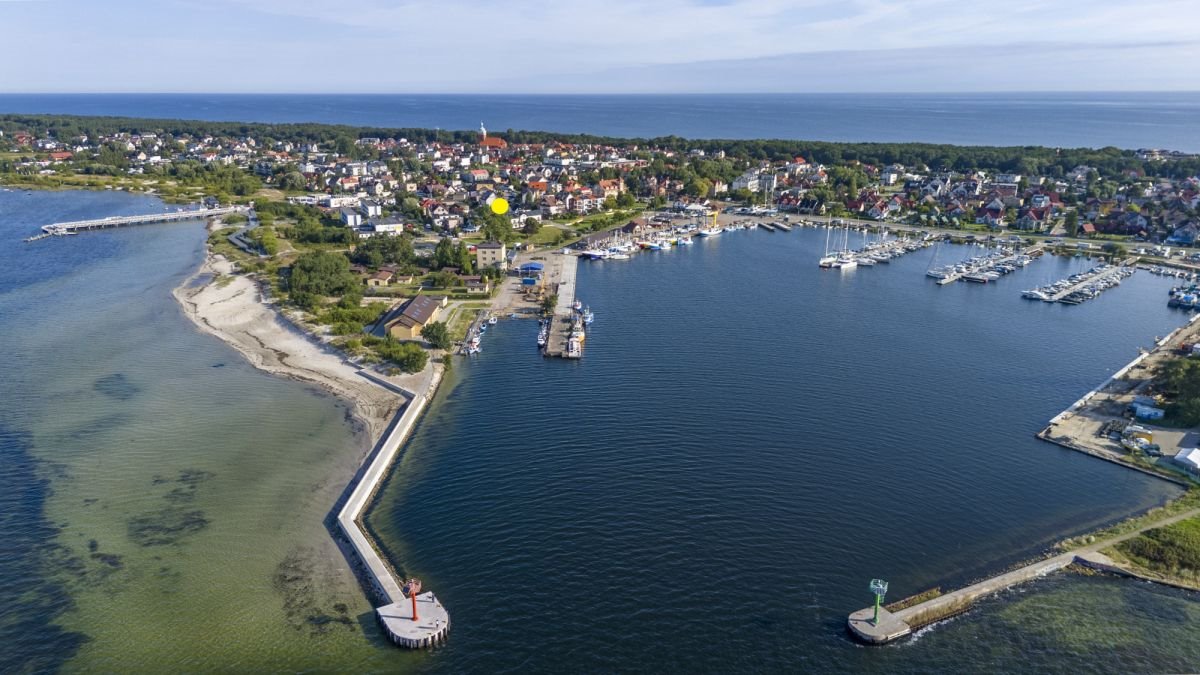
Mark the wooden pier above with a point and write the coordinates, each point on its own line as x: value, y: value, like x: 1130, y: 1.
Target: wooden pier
x: 77, y: 226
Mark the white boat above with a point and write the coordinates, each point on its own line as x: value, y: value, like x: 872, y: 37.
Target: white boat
x: 619, y: 256
x: 492, y: 321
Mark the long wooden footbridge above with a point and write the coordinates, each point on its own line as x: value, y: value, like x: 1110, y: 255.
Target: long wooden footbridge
x: 77, y: 226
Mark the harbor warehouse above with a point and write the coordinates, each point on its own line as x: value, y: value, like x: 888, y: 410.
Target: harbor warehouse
x: 407, y: 322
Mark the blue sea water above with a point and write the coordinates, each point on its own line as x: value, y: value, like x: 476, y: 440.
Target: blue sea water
x: 1125, y: 120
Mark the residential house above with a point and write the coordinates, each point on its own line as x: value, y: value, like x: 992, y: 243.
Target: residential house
x: 491, y: 254
x: 477, y: 285
x: 380, y: 279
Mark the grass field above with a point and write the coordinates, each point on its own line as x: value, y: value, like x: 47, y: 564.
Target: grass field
x: 1173, y: 550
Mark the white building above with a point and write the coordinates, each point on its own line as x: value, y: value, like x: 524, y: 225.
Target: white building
x: 746, y: 181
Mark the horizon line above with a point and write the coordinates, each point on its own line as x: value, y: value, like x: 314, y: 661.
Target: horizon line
x: 996, y: 92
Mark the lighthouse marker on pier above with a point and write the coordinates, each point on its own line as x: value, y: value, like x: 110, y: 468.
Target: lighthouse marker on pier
x: 879, y: 588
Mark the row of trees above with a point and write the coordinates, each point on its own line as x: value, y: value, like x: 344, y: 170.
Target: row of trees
x: 1030, y: 160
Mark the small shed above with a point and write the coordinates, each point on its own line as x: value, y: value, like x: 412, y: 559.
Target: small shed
x: 1189, y: 458
x: 1147, y: 412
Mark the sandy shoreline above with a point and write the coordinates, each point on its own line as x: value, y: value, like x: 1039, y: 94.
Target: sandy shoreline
x: 236, y: 311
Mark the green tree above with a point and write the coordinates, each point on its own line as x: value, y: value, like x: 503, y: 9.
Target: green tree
x: 408, y: 356
x: 463, y: 259
x: 443, y: 279
x: 698, y: 187
x: 444, y: 253
x: 292, y: 180
x: 1072, y: 223
x: 549, y: 303
x: 321, y: 273
x: 531, y: 227
x: 437, y: 335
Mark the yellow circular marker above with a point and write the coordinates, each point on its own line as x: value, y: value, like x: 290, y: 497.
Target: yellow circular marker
x: 500, y: 206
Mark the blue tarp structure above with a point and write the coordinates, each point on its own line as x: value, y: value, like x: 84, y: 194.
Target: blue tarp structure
x: 532, y: 267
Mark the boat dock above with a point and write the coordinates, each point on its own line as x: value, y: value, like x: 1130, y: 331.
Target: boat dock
x: 1079, y: 287
x: 989, y: 267
x: 558, y: 338
x: 74, y: 227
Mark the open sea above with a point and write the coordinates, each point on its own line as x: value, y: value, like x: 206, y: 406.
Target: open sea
x: 1124, y: 120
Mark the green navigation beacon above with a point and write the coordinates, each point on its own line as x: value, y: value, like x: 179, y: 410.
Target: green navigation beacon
x: 879, y: 588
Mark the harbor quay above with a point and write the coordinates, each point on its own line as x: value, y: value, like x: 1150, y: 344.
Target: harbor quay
x: 1093, y: 424
x: 408, y: 617
x: 561, y: 326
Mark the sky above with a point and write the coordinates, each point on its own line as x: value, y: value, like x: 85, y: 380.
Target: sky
x: 612, y: 46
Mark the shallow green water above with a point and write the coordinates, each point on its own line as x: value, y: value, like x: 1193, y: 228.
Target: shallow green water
x: 186, y: 491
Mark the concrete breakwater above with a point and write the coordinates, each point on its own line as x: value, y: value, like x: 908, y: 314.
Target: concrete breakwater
x: 419, y: 621
x: 895, y: 625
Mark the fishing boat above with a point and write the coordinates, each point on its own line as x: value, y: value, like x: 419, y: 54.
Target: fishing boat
x: 588, y: 317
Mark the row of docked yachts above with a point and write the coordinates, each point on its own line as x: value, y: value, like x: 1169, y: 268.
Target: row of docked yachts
x: 981, y: 269
x: 872, y: 253
x: 1083, y: 286
x: 676, y: 237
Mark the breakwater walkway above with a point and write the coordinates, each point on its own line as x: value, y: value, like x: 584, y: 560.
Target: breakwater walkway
x: 894, y: 625
x: 76, y: 226
x: 431, y: 622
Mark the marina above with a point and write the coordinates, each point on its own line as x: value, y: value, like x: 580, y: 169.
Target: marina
x: 1083, y: 286
x: 984, y: 268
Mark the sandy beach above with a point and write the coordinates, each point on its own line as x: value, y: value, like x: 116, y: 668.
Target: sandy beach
x: 235, y: 310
